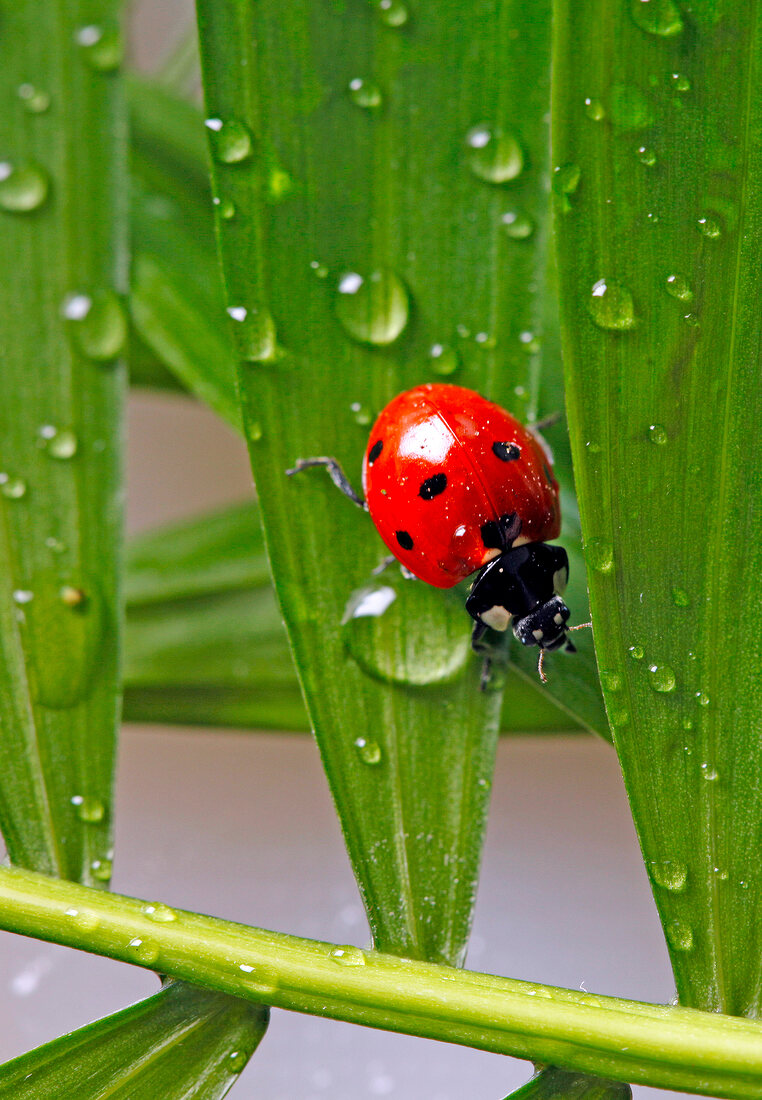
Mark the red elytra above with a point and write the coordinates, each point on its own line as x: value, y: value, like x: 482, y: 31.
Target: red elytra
x: 443, y: 465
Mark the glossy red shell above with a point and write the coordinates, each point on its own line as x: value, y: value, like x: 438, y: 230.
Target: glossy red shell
x: 436, y: 430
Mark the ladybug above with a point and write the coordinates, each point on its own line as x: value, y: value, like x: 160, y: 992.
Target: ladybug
x: 455, y: 484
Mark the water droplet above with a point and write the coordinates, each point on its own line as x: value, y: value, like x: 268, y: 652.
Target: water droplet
x: 494, y: 154
x: 364, y: 93
x: 565, y: 182
x: 636, y: 652
x: 102, y: 47
x: 368, y: 751
x: 679, y: 287
x: 709, y: 227
x: 701, y: 698
x: 691, y: 319
x: 13, y: 488
x: 687, y: 723
x: 360, y: 414
x: 443, y: 359
x: 62, y: 445
x: 347, y: 955
x: 84, y: 919
x: 662, y: 678
x: 254, y: 335
x: 373, y: 310
x: 225, y: 207
x: 600, y: 554
x: 88, y: 809
x: 709, y: 772
x: 102, y: 870
x: 680, y: 935
x: 680, y: 597
x: 231, y: 140
x: 630, y: 108
x: 660, y: 17
x: 517, y: 226
x: 594, y: 109
x: 35, y: 100
x: 679, y: 82
x: 670, y: 874
x: 159, y: 913
x: 619, y: 717
x: 647, y: 156
x: 23, y: 595
x: 143, y: 950
x: 393, y: 13
x: 254, y: 431
x: 611, y: 306
x: 23, y: 187
x: 97, y: 323
x: 592, y: 448
x: 320, y: 270
x: 529, y: 342
x: 657, y: 434
x: 611, y: 681
x: 236, y: 1061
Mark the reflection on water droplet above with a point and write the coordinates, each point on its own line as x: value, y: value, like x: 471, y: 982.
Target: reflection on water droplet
x: 236, y: 1061
x: 159, y: 913
x: 659, y: 17
x: 13, y: 488
x: 611, y: 306
x: 347, y: 955
x: 646, y: 156
x: 517, y: 226
x: 88, y: 809
x: 594, y: 109
x: 102, y: 869
x: 636, y: 652
x: 679, y: 287
x: 23, y: 187
x: 97, y: 324
x: 494, y: 154
x: 702, y: 698
x: 670, y: 874
x: 254, y: 335
x: 709, y: 227
x: 373, y: 310
x: 101, y: 46
x: 368, y: 751
x: 662, y: 678
x: 393, y: 13
x: 225, y: 207
x: 630, y: 109
x: 364, y: 93
x: 657, y: 433
x: 709, y: 772
x: 611, y: 681
x: 565, y: 182
x: 36, y: 100
x: 680, y: 597
x: 443, y: 359
x: 230, y: 140
x: 143, y: 950
x: 600, y: 554
x: 680, y: 935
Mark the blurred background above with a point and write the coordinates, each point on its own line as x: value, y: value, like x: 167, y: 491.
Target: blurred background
x: 241, y: 826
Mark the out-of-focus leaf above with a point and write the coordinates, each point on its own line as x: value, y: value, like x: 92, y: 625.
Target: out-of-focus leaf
x: 658, y: 147
x: 552, y: 1083
x: 183, y: 1043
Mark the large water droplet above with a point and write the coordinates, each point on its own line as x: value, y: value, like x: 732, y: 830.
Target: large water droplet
x: 636, y: 652
x: 662, y: 678
x: 660, y: 17
x: 347, y: 955
x: 368, y: 751
x: 517, y: 226
x: 630, y: 108
x: 254, y: 335
x: 670, y: 874
x: 89, y: 809
x: 159, y: 913
x: 102, y: 46
x: 231, y: 140
x: 647, y: 156
x: 143, y: 950
x: 680, y: 935
x: 61, y: 444
x: 23, y: 187
x: 236, y: 1061
x: 494, y: 154
x: 709, y: 227
x: 35, y: 100
x: 443, y: 359
x: 679, y: 287
x: 97, y: 323
x: 373, y: 310
x: 600, y: 554
x: 364, y: 93
x: 611, y: 306
x: 657, y: 434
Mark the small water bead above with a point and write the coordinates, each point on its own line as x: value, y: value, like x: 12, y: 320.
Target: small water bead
x: 709, y: 227
x: 611, y: 681
x: 347, y: 955
x: 159, y: 913
x: 484, y: 340
x: 372, y: 309
x: 443, y: 359
x: 701, y: 698
x: 636, y: 652
x: 12, y: 488
x: 364, y: 93
x: 88, y: 809
x: 231, y: 140
x: 646, y: 156
x: 35, y: 100
x: 659, y: 17
x: 97, y: 323
x: 611, y: 306
x: 102, y: 870
x: 368, y: 751
x: 670, y: 874
x: 680, y: 597
x: 657, y: 434
x: 254, y: 334
x: 254, y: 431
x: 517, y: 226
x: 529, y: 342
x: 225, y: 207
x: 566, y: 178
x: 57, y: 546
x: 236, y: 1061
x: 143, y: 950
x: 494, y: 154
x: 662, y: 678
x: 320, y: 270
x: 102, y: 47
x: 361, y: 414
x: 679, y: 82
x: 679, y: 287
x: 709, y: 773
x: 85, y: 919
x: 680, y: 935
x: 393, y: 13
x: 23, y: 596
x: 691, y: 319
x: 600, y: 554
x: 62, y: 445
x: 594, y: 109
x: 23, y: 186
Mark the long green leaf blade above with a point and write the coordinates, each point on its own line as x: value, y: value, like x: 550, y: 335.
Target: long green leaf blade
x: 61, y: 329
x: 658, y: 122
x: 183, y: 1043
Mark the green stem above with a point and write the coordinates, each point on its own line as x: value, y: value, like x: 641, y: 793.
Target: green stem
x: 668, y: 1047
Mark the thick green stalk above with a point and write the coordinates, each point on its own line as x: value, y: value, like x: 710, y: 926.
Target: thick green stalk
x: 623, y: 1040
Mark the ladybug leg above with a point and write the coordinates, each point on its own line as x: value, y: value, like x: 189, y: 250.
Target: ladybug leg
x: 336, y: 474
x: 382, y: 565
x: 479, y: 644
x: 546, y: 422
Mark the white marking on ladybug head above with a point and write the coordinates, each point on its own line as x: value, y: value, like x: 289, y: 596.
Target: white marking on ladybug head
x: 558, y: 619
x: 496, y: 618
x: 560, y: 579
x: 537, y: 634
x: 430, y: 439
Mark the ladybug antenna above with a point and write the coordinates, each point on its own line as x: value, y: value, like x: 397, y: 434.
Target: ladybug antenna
x: 540, y: 669
x: 579, y: 626
x: 570, y: 648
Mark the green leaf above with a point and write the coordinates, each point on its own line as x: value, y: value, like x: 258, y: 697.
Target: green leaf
x: 62, y: 329
x: 552, y: 1083
x: 182, y: 1043
x: 660, y: 232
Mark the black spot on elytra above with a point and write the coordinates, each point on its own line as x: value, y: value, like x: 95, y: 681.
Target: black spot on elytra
x: 506, y: 452
x: 404, y: 539
x: 433, y: 486
x: 375, y: 451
